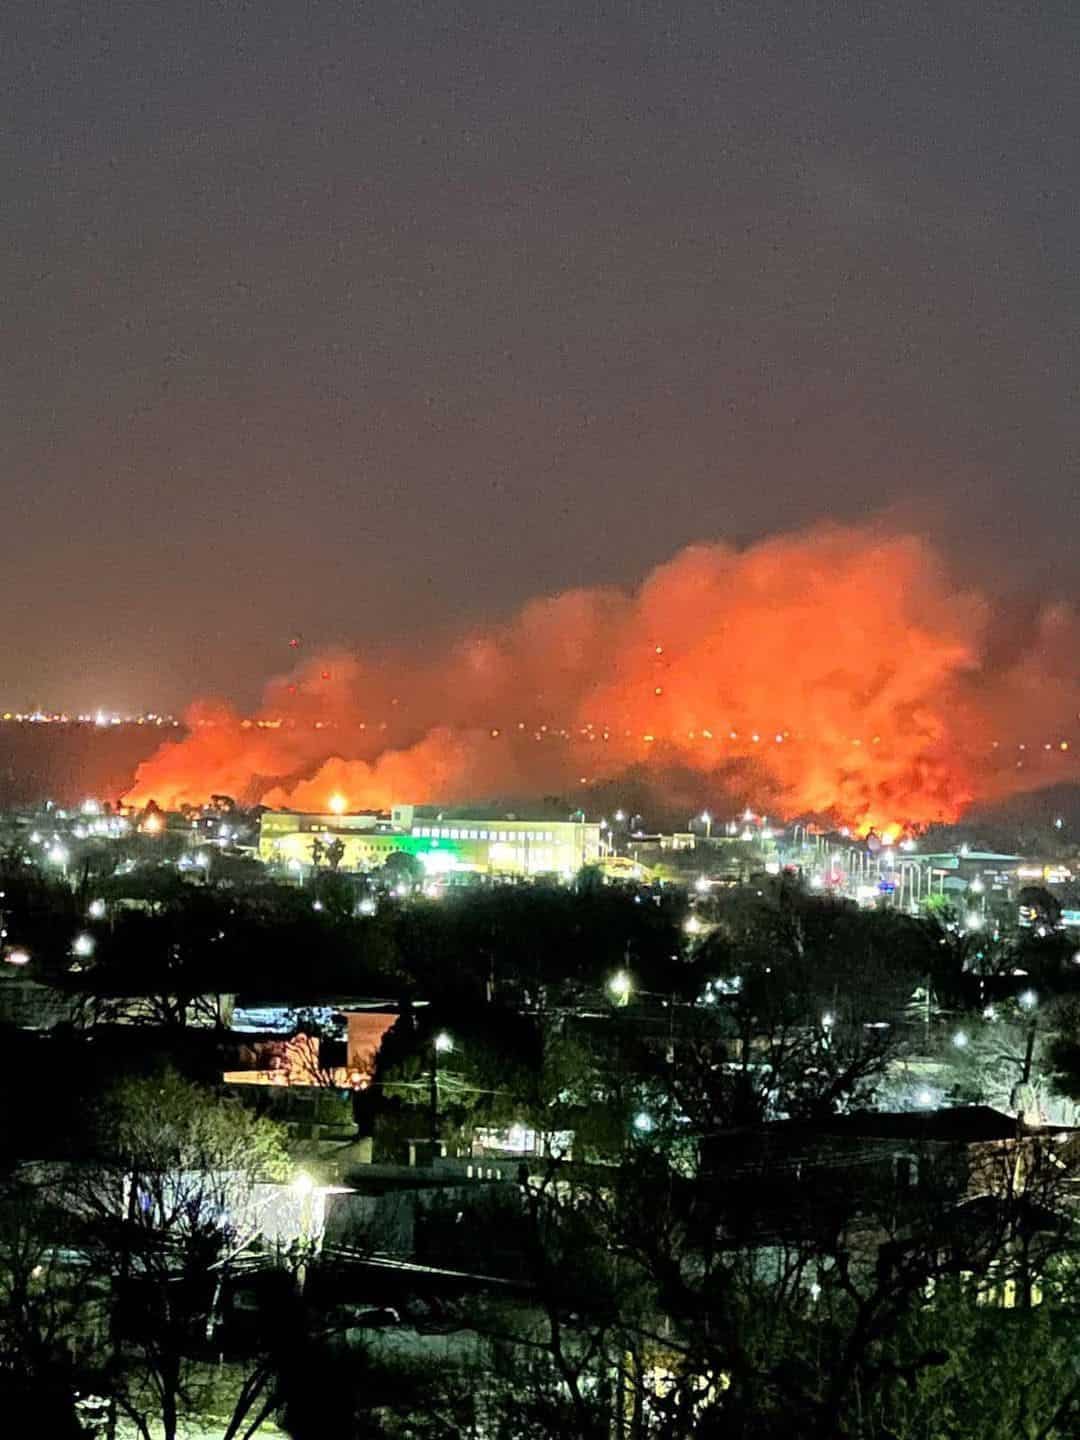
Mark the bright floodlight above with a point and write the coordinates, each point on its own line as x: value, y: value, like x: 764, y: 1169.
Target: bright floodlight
x: 620, y: 986
x: 96, y: 910
x: 83, y: 945
x: 17, y: 957
x: 302, y: 1183
x: 692, y: 926
x: 1029, y: 999
x: 443, y: 1042
x: 338, y: 804
x: 701, y: 885
x: 925, y: 1098
x: 152, y: 825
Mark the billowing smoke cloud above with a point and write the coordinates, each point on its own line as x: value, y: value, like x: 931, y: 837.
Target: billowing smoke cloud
x: 836, y: 671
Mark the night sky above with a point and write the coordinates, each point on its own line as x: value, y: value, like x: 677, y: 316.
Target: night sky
x: 358, y: 319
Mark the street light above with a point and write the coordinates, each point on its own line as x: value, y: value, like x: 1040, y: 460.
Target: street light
x: 440, y: 1045
x: 96, y: 910
x: 620, y: 986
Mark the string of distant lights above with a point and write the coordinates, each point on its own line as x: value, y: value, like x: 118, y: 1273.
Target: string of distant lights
x: 608, y: 733
x: 1028, y: 751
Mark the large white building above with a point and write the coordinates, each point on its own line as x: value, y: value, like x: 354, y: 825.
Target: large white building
x: 444, y: 841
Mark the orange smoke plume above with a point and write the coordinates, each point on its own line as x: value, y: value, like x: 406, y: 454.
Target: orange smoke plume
x: 838, y: 671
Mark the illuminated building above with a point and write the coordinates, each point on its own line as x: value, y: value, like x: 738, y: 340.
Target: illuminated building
x: 444, y: 842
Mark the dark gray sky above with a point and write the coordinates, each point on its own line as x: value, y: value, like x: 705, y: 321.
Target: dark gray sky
x: 355, y: 318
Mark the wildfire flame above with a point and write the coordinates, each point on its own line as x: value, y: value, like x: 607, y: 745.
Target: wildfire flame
x: 836, y: 671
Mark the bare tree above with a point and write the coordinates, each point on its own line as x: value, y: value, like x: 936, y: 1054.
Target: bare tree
x: 168, y: 1207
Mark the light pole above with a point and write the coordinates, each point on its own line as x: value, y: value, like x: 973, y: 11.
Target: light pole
x: 440, y: 1045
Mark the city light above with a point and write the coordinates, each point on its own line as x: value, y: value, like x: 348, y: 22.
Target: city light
x: 152, y: 825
